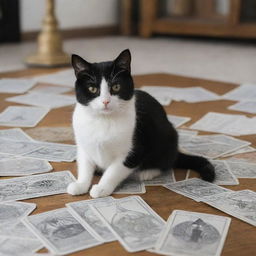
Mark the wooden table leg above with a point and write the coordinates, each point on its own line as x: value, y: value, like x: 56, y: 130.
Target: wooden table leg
x: 148, y: 11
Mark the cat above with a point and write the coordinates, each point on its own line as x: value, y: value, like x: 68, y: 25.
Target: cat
x: 120, y: 130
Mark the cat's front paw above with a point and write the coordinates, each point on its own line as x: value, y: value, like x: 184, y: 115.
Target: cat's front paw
x: 76, y: 188
x: 100, y: 191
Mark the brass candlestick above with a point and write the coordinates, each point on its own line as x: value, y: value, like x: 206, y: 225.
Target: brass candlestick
x: 50, y: 52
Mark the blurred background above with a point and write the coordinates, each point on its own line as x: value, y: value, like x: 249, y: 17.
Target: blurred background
x: 213, y: 39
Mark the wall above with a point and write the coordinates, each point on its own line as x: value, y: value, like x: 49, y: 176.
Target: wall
x: 70, y: 13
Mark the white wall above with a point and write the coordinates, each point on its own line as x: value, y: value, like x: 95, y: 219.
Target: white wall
x: 70, y: 13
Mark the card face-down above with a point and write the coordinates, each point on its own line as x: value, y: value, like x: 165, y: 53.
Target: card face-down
x: 55, y: 152
x: 196, y: 189
x: 240, y: 204
x: 35, y: 186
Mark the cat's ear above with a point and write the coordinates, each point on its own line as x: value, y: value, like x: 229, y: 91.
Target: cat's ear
x: 79, y: 64
x: 123, y: 61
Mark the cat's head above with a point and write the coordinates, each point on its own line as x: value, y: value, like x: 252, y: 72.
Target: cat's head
x: 104, y: 87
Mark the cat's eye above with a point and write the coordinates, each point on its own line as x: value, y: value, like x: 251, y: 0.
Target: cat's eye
x: 116, y: 87
x: 93, y: 89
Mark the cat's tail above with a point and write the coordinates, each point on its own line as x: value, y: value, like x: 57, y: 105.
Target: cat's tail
x: 197, y: 163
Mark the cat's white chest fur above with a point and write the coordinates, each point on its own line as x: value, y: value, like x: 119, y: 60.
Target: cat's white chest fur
x: 104, y: 138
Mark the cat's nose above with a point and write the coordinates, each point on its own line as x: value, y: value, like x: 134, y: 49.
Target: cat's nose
x: 105, y: 102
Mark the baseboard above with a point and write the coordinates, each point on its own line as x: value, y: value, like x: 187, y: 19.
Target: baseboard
x: 77, y: 32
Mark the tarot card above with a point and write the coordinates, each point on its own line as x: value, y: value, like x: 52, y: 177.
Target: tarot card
x: 191, y: 141
x: 244, y: 106
x: 211, y: 150
x: 234, y: 159
x: 246, y: 157
x: 133, y: 222
x: 242, y: 92
x: 87, y: 215
x: 236, y: 143
x: 13, y: 212
x: 243, y: 150
x: 18, y: 230
x: 51, y: 89
x: 224, y: 175
x: 35, y: 186
x: 60, y: 232
x: 44, y: 100
x: 186, y: 132
x: 17, y: 147
x: 132, y: 185
x: 193, y: 234
x: 55, y: 152
x: 164, y: 101
x: 19, y: 247
x: 240, y: 204
x: 221, y: 123
x: 242, y: 169
x: 51, y: 134
x: 162, y: 179
x: 161, y: 97
x: 22, y: 116
x: 157, y: 91
x: 4, y: 156
x: 178, y: 120
x: 15, y: 134
x: 248, y: 126
x: 65, y: 78
x: 197, y: 94
x: 188, y: 94
x: 195, y: 188
x: 14, y: 85
x: 23, y: 166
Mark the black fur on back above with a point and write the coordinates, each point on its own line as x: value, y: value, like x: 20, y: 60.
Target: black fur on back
x: 156, y: 142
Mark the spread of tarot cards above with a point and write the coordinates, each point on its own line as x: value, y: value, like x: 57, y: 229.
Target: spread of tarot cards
x: 27, y: 165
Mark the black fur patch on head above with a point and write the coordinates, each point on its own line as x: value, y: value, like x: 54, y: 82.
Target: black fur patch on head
x: 91, y: 74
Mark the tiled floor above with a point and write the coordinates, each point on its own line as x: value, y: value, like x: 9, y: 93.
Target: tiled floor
x: 213, y: 59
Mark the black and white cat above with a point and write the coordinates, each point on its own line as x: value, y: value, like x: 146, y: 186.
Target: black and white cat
x: 120, y: 130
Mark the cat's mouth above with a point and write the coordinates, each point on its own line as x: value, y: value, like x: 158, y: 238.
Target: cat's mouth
x: 106, y: 111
